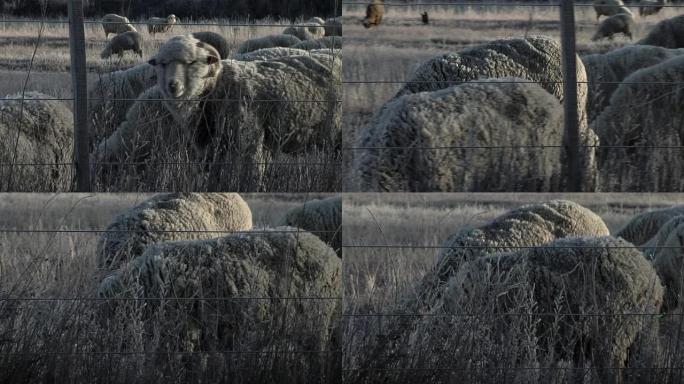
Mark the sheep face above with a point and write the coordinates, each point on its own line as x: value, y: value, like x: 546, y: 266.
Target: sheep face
x: 186, y: 67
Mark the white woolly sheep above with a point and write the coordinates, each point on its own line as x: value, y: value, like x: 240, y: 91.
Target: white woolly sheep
x: 292, y: 127
x: 112, y: 23
x: 271, y: 41
x: 269, y: 54
x: 645, y: 112
x: 668, y: 33
x: 582, y: 276
x: 605, y: 71
x: 35, y: 131
x: 274, y: 266
x: 172, y: 216
x: 483, y: 114
x: 127, y: 41
x: 322, y: 217
x: 667, y: 250
x: 650, y: 7
x: 328, y: 42
x: 316, y: 20
x: 618, y: 23
x: 333, y: 26
x: 374, y: 13
x: 306, y: 31
x: 607, y: 7
x: 160, y: 25
x: 643, y: 227
x: 215, y: 40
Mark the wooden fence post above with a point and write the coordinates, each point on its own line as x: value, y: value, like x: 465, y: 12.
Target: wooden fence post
x: 571, y: 137
x: 80, y: 93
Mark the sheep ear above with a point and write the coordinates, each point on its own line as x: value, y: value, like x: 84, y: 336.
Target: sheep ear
x: 152, y: 62
x: 211, y: 59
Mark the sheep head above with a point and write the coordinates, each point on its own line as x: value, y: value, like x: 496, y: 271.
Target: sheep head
x: 186, y: 67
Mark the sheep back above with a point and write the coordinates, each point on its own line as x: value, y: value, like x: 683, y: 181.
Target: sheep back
x: 641, y: 228
x: 270, y: 41
x: 36, y: 131
x: 668, y: 33
x: 174, y: 216
x: 305, y: 31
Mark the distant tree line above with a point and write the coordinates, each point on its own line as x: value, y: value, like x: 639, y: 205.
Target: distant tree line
x: 195, y: 9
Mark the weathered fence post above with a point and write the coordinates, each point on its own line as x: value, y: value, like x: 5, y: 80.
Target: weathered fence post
x: 571, y: 137
x: 80, y: 94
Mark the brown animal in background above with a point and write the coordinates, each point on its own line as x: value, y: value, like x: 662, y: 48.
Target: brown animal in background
x: 374, y: 13
x: 426, y: 19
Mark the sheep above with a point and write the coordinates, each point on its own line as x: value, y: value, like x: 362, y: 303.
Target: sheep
x: 605, y: 71
x: 333, y: 26
x: 643, y: 227
x: 215, y: 40
x: 607, y: 7
x: 330, y: 42
x: 322, y: 217
x: 484, y: 114
x: 306, y: 31
x: 171, y: 216
x: 668, y: 33
x: 644, y: 112
x: 618, y: 23
x: 160, y: 25
x: 268, y: 42
x: 650, y: 7
x: 374, y: 13
x: 127, y: 41
x: 35, y: 131
x: 668, y: 259
x: 533, y: 58
x: 582, y: 276
x: 269, y: 54
x: 112, y: 23
x: 316, y: 20
x: 275, y: 266
x: 290, y: 128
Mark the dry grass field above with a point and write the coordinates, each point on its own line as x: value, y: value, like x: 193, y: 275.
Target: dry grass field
x: 392, y: 240
x: 48, y: 252
x: 35, y: 57
x: 378, y: 61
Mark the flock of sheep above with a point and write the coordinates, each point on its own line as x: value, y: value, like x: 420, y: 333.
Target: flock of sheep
x: 489, y: 118
x: 558, y: 261
x: 204, y: 246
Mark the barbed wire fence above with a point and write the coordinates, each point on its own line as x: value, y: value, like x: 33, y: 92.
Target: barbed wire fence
x: 51, y: 322
x: 312, y: 167
x: 573, y: 148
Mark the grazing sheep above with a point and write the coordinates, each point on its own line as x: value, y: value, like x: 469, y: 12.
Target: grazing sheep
x: 668, y: 260
x: 306, y: 31
x: 643, y: 126
x: 582, y: 276
x: 215, y: 40
x: 463, y: 117
x: 323, y: 218
x: 160, y: 25
x: 607, y: 7
x: 329, y: 42
x: 333, y: 26
x: 641, y: 228
x: 668, y: 33
x: 650, y: 7
x: 273, y: 266
x: 172, y: 216
x: 112, y: 94
x: 112, y: 23
x: 35, y: 131
x: 619, y: 23
x: 605, y: 71
x: 374, y: 13
x: 127, y: 41
x: 292, y: 127
x: 271, y: 41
